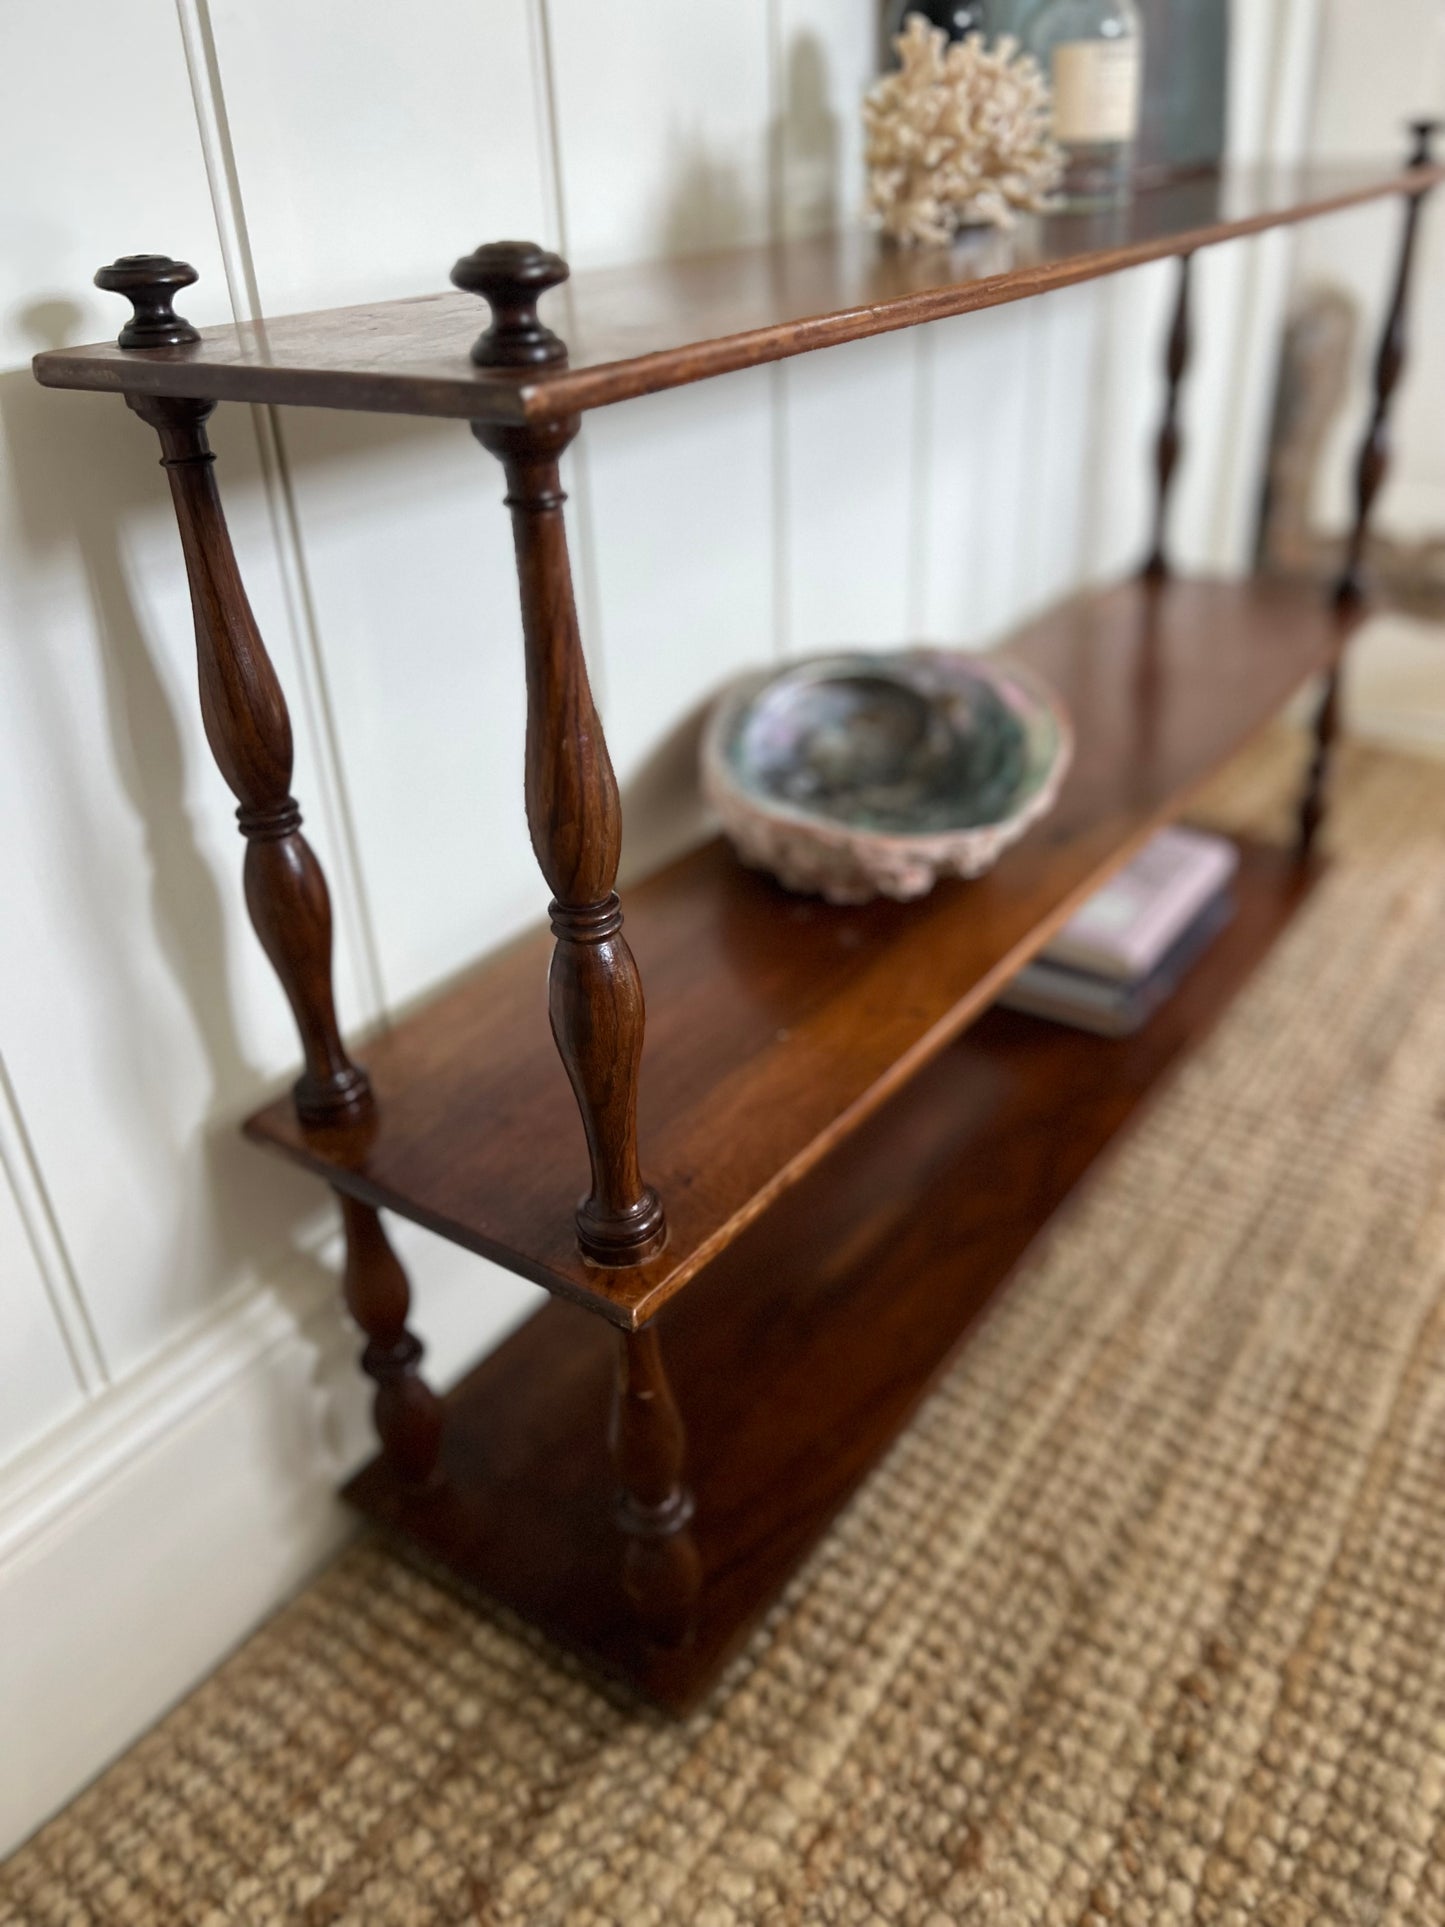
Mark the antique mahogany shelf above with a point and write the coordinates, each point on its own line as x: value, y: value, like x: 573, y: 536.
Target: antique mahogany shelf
x: 834, y: 1150
x: 805, y: 1347
x: 775, y: 1023
x: 635, y: 330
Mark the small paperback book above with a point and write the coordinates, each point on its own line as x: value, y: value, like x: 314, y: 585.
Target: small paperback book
x: 1118, y: 958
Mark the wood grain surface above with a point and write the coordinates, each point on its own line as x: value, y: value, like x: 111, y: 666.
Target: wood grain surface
x: 776, y: 1023
x: 806, y: 1347
x: 248, y: 728
x: 574, y: 816
x: 634, y: 330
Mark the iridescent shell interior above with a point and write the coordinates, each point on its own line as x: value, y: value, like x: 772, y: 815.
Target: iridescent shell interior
x: 915, y: 744
x: 860, y: 773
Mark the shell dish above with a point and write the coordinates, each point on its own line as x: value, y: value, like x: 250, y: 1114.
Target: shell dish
x: 862, y: 775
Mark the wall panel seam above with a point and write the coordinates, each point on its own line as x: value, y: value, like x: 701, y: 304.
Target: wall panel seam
x: 1037, y: 322
x: 37, y: 1214
x: 920, y: 430
x: 346, y: 870
x: 1295, y: 37
x: 780, y: 557
x: 550, y: 133
x: 1103, y: 409
x: 780, y: 548
x: 584, y: 527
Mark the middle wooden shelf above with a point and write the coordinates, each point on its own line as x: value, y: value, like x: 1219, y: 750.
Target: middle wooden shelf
x: 776, y: 1024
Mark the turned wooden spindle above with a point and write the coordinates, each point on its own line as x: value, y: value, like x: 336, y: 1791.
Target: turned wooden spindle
x: 249, y: 731
x: 661, y: 1570
x: 573, y: 810
x: 1166, y: 447
x: 1373, y: 461
x: 1371, y: 466
x: 407, y: 1411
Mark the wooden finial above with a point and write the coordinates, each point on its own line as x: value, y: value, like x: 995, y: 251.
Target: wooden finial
x: 513, y: 276
x: 1423, y: 133
x: 150, y: 282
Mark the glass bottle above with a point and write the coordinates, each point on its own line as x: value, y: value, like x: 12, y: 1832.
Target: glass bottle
x: 958, y: 18
x: 1092, y: 52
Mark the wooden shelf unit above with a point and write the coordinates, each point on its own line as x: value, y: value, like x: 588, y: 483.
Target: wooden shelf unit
x: 776, y: 1023
x: 845, y: 1300
x: 833, y: 1143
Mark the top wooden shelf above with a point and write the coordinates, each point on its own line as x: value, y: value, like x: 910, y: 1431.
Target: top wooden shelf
x: 637, y: 330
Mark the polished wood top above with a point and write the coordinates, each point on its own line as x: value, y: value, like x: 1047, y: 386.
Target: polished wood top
x: 636, y: 330
x: 776, y: 1023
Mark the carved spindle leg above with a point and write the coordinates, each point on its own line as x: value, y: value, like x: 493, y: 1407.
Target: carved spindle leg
x: 1324, y: 735
x: 572, y: 804
x: 1371, y: 467
x: 244, y: 711
x: 408, y: 1412
x: 1373, y: 460
x: 249, y: 731
x: 1166, y: 448
x: 661, y: 1572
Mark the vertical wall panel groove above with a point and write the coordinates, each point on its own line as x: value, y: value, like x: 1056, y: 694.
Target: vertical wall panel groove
x: 576, y: 465
x: 136, y: 1012
x: 780, y: 558
x: 845, y: 471
x: 402, y: 549
x: 1290, y: 66
x: 677, y: 525
x: 920, y: 484
x: 345, y: 870
x: 36, y: 1211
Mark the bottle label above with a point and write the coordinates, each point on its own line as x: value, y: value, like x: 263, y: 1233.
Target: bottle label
x: 1096, y: 91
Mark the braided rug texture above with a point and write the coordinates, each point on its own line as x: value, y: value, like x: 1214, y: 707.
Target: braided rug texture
x: 1140, y: 1622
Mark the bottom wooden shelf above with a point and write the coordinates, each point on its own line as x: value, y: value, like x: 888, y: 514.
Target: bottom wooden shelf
x: 801, y: 1352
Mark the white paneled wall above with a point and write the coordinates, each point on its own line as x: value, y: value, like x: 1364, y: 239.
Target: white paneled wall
x: 1370, y: 83
x: 177, y: 1395
x: 50, y: 1361
x: 1373, y: 74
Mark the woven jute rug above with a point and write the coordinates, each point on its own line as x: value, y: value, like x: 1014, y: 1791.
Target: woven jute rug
x: 1139, y: 1623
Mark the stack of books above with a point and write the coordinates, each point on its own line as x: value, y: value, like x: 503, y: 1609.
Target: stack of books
x: 1116, y: 960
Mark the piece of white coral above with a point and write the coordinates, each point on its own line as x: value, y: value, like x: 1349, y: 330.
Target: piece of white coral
x: 958, y: 135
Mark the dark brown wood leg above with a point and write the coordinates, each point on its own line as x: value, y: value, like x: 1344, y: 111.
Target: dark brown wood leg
x: 1371, y: 466
x: 408, y: 1412
x: 1166, y: 447
x: 595, y: 995
x: 573, y: 810
x: 1325, y: 734
x: 249, y: 731
x: 661, y: 1571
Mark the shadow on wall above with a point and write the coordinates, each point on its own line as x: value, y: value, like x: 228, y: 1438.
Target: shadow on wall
x: 85, y: 468
x: 89, y: 468
x: 712, y: 202
x: 807, y: 145
x: 708, y: 206
x: 662, y: 809
x: 663, y: 813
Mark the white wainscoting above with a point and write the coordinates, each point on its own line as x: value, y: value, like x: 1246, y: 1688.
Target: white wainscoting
x: 177, y: 1392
